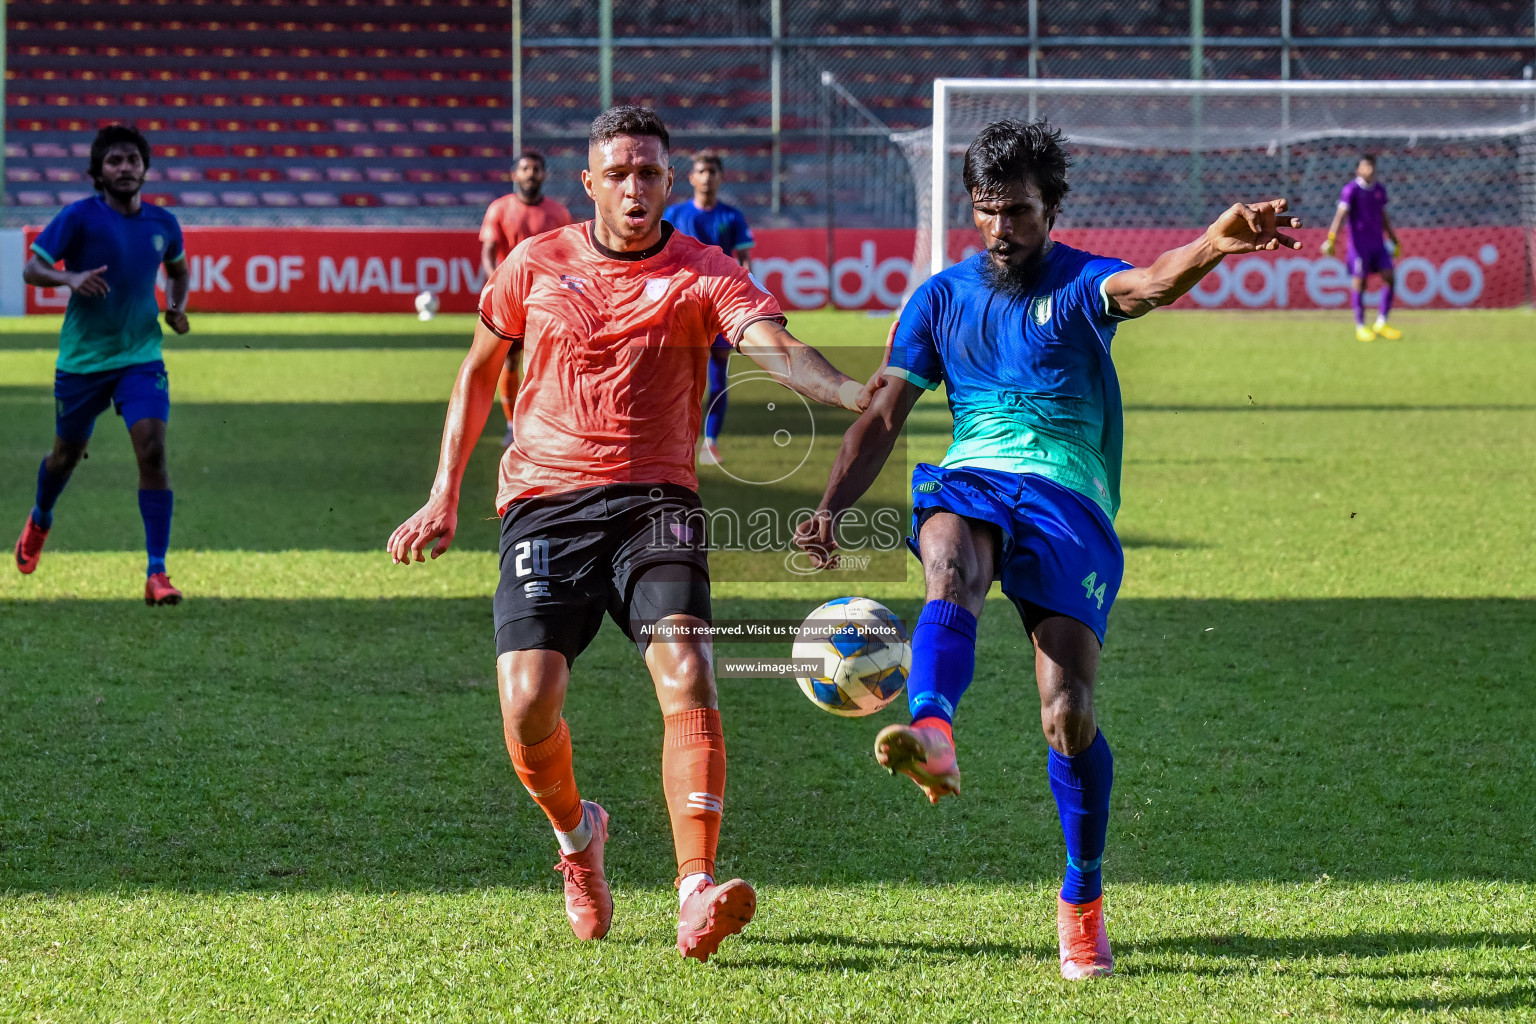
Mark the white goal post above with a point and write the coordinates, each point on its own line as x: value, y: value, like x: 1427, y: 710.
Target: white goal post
x: 1172, y: 153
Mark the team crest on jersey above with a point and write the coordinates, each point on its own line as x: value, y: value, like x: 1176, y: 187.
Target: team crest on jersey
x: 1040, y: 310
x: 656, y: 287
x: 575, y: 284
x: 159, y: 243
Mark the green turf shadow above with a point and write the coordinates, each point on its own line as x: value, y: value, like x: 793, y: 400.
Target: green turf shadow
x: 264, y: 744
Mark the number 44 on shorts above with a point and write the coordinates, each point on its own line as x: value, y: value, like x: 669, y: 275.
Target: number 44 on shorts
x: 1089, y: 583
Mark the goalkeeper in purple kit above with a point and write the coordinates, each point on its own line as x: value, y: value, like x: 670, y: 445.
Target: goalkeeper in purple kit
x: 1363, y: 203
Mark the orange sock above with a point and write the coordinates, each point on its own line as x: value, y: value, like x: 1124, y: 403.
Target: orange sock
x: 939, y: 724
x: 693, y: 774
x: 545, y: 770
x: 506, y: 390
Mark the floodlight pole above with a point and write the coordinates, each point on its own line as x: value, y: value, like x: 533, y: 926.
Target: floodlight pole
x: 1034, y: 55
x: 605, y: 53
x: 1285, y: 99
x: 1197, y: 109
x: 826, y: 140
x: 776, y: 87
x: 517, y: 78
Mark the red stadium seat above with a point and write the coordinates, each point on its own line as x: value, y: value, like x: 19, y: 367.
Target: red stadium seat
x: 421, y: 175
x: 221, y: 174
x: 160, y: 198
x: 359, y: 199
x: 263, y: 174
x: 328, y: 150
x: 207, y: 149
x: 246, y: 150
x: 287, y: 151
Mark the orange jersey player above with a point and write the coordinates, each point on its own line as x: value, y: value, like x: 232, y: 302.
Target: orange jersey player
x: 598, y: 501
x: 522, y: 213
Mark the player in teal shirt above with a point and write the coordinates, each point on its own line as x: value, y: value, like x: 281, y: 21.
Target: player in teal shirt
x: 112, y: 246
x: 1020, y: 337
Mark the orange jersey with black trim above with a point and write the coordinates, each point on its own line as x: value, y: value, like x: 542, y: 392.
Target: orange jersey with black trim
x: 615, y: 356
x: 509, y: 220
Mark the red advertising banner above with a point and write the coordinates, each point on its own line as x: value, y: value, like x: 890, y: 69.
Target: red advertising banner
x: 380, y: 270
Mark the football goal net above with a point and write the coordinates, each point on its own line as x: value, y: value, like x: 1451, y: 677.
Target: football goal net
x: 1173, y: 154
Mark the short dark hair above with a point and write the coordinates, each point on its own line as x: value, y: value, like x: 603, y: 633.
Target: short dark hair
x: 1006, y: 152
x: 627, y: 120
x: 709, y: 156
x: 1368, y: 158
x: 114, y: 135
x: 530, y: 154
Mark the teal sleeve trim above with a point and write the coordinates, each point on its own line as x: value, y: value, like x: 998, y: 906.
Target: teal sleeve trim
x: 908, y: 375
x: 745, y: 245
x: 44, y: 253
x: 180, y: 257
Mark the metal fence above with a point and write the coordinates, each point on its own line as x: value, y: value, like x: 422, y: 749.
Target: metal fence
x: 802, y: 95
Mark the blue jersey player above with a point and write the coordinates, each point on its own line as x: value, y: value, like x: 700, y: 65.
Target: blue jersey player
x: 112, y: 246
x: 1020, y: 335
x: 720, y: 224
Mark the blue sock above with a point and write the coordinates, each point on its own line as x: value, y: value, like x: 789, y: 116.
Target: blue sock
x: 49, y: 487
x: 943, y: 660
x: 155, y: 507
x: 1081, y: 786
x: 714, y: 405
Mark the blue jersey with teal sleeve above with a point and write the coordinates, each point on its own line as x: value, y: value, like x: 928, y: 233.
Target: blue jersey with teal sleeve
x: 121, y: 328
x: 1030, y: 381
x: 721, y: 225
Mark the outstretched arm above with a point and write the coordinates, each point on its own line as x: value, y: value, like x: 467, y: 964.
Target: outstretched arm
x: 42, y: 274
x: 803, y: 369
x: 468, y: 407
x: 1243, y: 228
x: 865, y: 447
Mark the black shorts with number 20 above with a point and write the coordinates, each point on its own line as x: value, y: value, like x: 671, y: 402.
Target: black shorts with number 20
x: 636, y: 552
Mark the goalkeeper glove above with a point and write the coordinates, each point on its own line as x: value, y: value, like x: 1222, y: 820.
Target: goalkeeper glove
x: 1397, y: 249
x: 1329, y: 246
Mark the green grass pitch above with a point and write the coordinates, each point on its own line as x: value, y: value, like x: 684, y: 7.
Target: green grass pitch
x: 288, y: 799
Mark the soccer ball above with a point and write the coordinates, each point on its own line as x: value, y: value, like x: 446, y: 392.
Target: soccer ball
x: 864, y: 648
x: 426, y: 305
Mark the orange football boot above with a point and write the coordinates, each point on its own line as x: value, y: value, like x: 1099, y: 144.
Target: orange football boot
x: 922, y: 753
x: 29, y: 546
x: 1084, y: 940
x: 588, y: 903
x: 158, y: 590
x: 713, y: 914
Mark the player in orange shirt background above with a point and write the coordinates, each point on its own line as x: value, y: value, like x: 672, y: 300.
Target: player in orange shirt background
x: 598, y: 497
x: 522, y: 213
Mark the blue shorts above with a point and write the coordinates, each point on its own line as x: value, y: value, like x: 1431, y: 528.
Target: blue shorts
x: 139, y: 392
x: 1376, y: 262
x: 1059, y: 553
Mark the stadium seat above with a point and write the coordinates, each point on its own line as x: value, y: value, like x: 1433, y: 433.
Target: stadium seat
x: 319, y: 198
x: 22, y: 174
x: 263, y: 174
x: 422, y: 175
x: 383, y: 174
x: 439, y: 199
x: 239, y: 199
x: 29, y: 197
x: 368, y: 151
x: 343, y: 174
x: 62, y: 175
x: 358, y: 199
x: 199, y: 199
x: 398, y: 198
x: 207, y: 150
x: 279, y: 199
x: 302, y: 174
